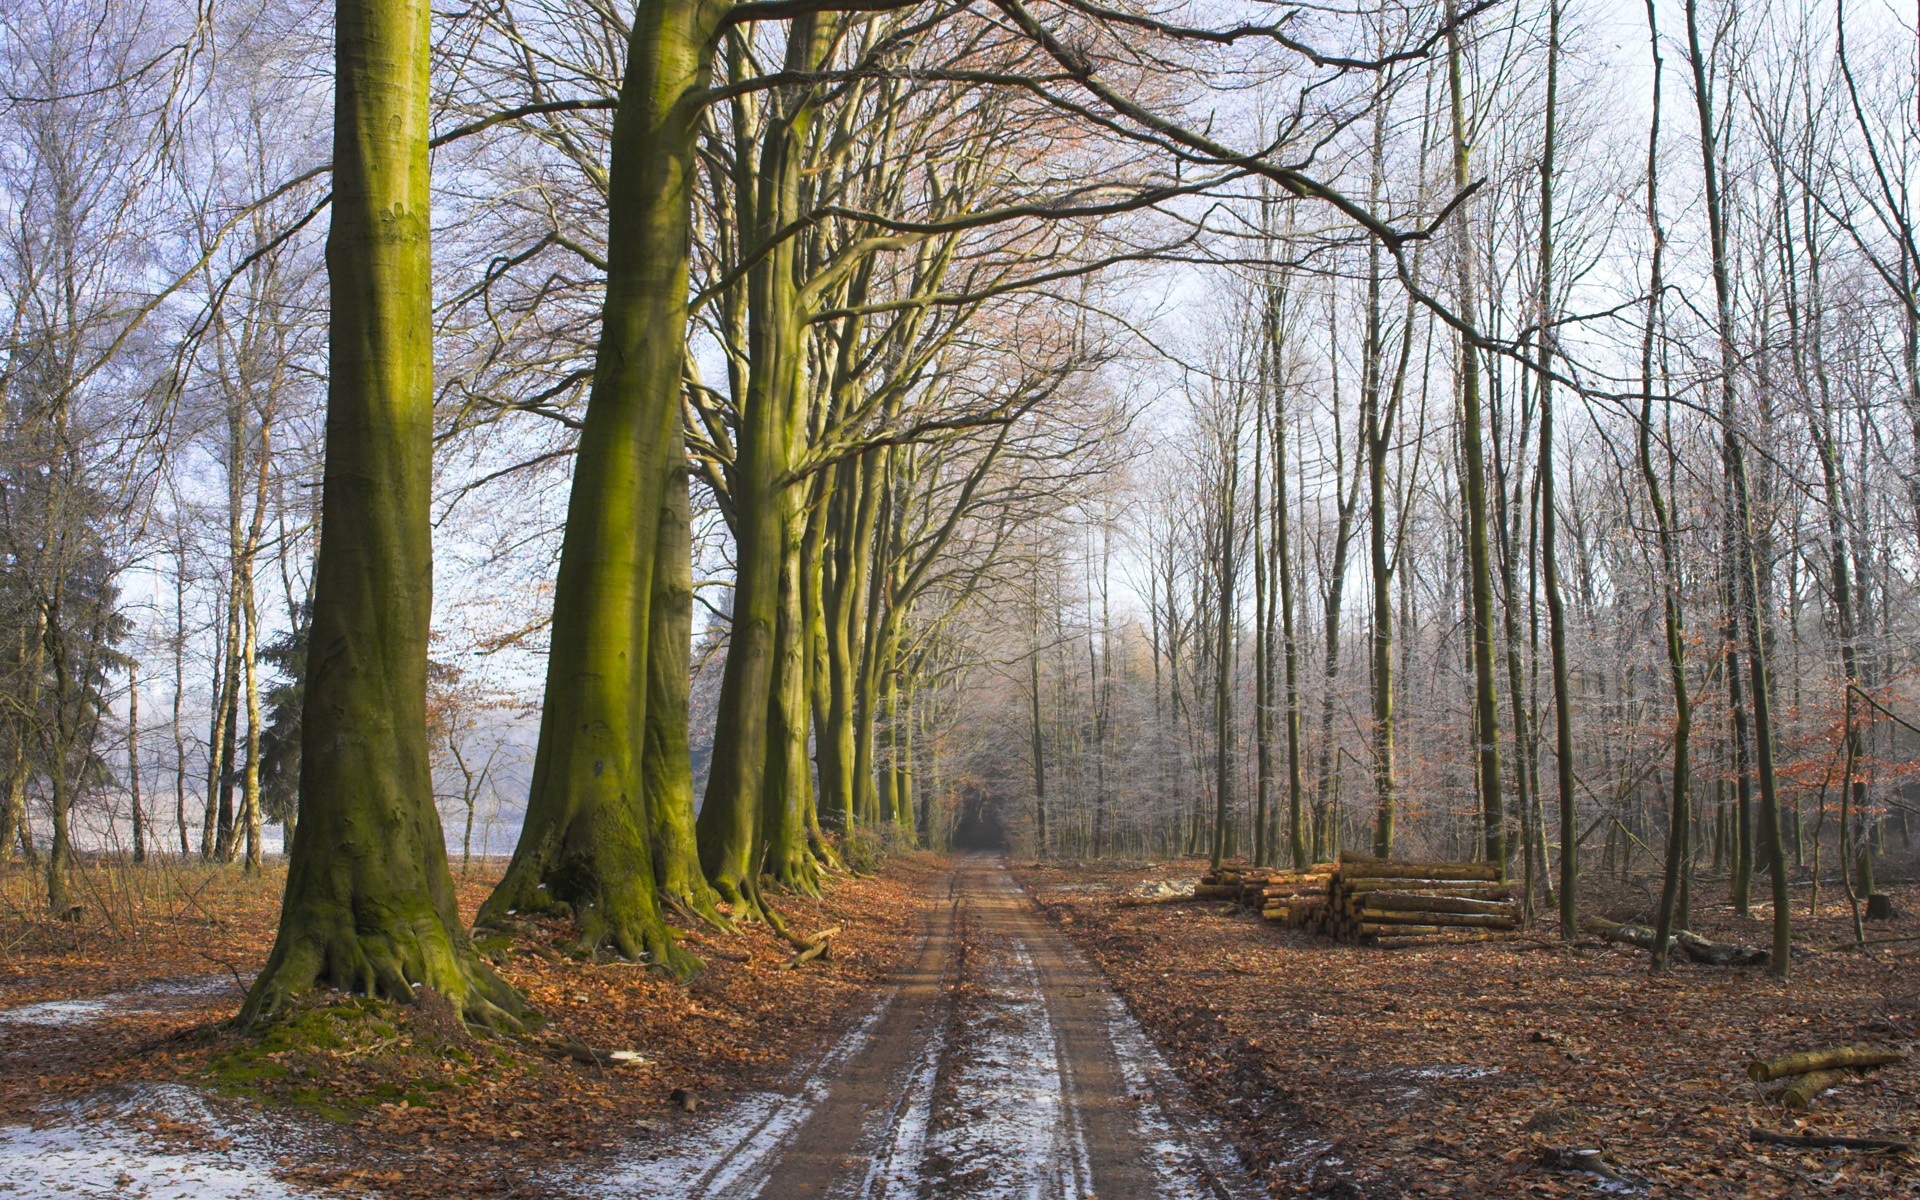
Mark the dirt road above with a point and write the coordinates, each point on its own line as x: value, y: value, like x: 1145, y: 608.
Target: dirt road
x: 1001, y: 1066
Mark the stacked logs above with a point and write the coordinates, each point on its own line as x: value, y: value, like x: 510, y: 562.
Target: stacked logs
x: 1261, y: 887
x: 1378, y: 902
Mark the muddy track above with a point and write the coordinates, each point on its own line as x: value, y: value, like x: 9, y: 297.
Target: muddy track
x: 1000, y: 1065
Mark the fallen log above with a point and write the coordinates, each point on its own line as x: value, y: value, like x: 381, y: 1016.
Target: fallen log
x: 1459, y: 937
x: 1368, y: 929
x: 1216, y: 891
x: 1451, y: 887
x: 820, y: 944
x: 1379, y: 916
x: 1486, y: 873
x: 1830, y: 1059
x: 1828, y: 1141
x: 1426, y: 902
x: 1800, y: 1093
x: 1695, y: 947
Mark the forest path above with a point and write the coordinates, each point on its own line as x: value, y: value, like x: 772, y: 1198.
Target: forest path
x: 1000, y: 1066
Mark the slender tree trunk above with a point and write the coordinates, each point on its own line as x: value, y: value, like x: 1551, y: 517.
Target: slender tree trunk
x: 1746, y: 570
x: 1486, y: 703
x: 1038, y: 739
x: 179, y: 691
x: 216, y: 741
x: 133, y: 764
x: 1569, y: 887
x: 1223, y: 639
x: 1680, y: 818
x: 1262, y: 651
x: 1297, y: 837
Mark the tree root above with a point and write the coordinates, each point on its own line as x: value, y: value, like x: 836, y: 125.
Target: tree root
x: 389, y: 963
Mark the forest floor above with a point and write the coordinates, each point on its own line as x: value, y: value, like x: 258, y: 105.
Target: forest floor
x: 954, y: 1047
x: 120, y: 1072
x: 1476, y: 1071
x: 965, y: 1040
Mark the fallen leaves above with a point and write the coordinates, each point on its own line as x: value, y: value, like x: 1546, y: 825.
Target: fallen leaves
x: 1343, y: 1067
x: 410, y: 1108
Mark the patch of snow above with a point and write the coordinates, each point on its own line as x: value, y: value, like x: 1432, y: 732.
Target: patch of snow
x: 99, y: 1151
x: 58, y: 1012
x: 1021, y: 1138
x: 900, y: 1133
x: 1453, y: 1072
x: 1186, y: 1148
x: 732, y: 1153
x: 64, y: 1013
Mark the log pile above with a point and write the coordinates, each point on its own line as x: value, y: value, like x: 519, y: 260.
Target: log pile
x: 1377, y: 902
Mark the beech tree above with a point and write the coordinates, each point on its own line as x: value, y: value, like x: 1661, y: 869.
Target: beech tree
x: 369, y: 904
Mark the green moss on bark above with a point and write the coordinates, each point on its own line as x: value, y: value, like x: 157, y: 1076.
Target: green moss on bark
x: 370, y: 905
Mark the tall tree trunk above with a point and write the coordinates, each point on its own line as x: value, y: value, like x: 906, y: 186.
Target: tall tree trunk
x: 179, y: 691
x: 1486, y: 706
x: 1680, y: 817
x: 747, y: 783
x: 787, y: 785
x: 370, y: 904
x: 1297, y: 837
x: 1733, y: 450
x: 1262, y: 651
x: 216, y: 738
x: 1569, y: 887
x: 1223, y: 644
x: 1038, y: 734
x: 666, y: 769
x: 584, y: 848
x: 249, y: 650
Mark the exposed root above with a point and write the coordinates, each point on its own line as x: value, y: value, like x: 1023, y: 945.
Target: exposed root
x: 389, y: 963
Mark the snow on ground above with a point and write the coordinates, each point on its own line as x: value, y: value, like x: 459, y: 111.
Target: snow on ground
x: 898, y: 1135
x: 154, y: 997
x: 1186, y: 1148
x: 714, y: 1157
x: 99, y: 1149
x: 1016, y: 1134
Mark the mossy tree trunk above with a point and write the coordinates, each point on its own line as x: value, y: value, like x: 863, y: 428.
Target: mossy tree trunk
x: 871, y: 601
x: 787, y: 788
x: 666, y: 768
x: 585, y: 847
x: 850, y: 517
x: 370, y: 904
x: 764, y: 674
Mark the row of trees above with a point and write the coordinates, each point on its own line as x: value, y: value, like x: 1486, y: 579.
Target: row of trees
x: 805, y: 335
x: 893, y: 288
